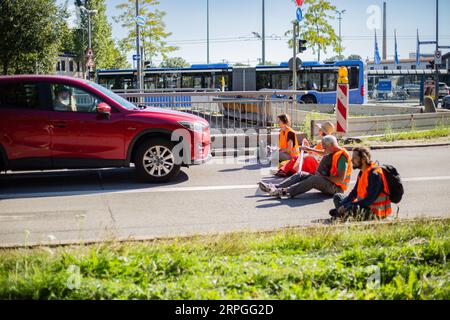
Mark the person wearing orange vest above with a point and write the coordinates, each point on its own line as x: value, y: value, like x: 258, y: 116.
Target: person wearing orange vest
x: 369, y: 198
x: 330, y: 181
x: 288, y: 142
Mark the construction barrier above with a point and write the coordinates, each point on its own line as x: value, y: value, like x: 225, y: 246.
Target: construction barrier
x: 342, y: 102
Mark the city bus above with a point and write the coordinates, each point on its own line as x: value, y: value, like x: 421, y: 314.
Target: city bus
x: 318, y: 79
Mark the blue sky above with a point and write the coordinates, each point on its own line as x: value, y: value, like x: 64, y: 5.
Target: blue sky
x: 232, y: 23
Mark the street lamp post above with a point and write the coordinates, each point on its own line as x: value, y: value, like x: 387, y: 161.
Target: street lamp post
x: 436, y: 66
x: 89, y: 12
x: 207, y: 31
x: 263, y: 33
x: 340, y: 13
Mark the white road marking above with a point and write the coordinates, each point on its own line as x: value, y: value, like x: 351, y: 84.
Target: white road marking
x: 171, y: 189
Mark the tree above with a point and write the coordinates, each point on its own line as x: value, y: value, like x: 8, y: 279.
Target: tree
x: 176, y: 62
x: 354, y: 57
x: 153, y: 34
x: 334, y: 58
x: 30, y: 35
x: 107, y: 54
x: 315, y: 27
x: 268, y: 63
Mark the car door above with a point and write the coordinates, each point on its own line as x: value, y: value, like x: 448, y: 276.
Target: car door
x: 81, y: 137
x: 24, y: 125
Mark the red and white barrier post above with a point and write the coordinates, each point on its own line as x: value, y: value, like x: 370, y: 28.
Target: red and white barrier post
x: 342, y: 111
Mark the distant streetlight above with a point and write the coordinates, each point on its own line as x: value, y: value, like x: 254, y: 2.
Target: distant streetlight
x: 340, y: 13
x: 89, y: 12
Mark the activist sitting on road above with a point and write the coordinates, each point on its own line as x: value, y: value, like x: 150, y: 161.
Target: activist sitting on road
x: 325, y: 129
x: 369, y: 198
x: 312, y: 158
x: 332, y: 182
x: 288, y: 142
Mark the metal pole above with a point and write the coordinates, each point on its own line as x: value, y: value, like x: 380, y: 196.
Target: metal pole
x: 340, y: 34
x: 89, y: 41
x: 294, y: 63
x: 207, y: 31
x: 89, y: 31
x: 436, y: 66
x: 263, y: 33
x: 138, y: 61
x: 384, y: 32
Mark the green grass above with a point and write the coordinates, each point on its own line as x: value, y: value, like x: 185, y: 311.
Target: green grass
x: 411, y: 260
x: 390, y: 136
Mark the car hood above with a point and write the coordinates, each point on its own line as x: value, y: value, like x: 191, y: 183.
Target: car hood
x: 180, y: 116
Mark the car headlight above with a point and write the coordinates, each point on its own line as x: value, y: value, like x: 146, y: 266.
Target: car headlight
x: 194, y: 126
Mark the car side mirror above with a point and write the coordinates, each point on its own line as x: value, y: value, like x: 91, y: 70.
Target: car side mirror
x: 104, y: 109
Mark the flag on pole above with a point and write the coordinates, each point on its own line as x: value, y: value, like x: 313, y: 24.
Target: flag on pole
x: 418, y: 49
x: 396, y: 51
x: 377, y: 59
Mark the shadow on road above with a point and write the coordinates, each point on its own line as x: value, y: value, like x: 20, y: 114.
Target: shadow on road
x: 300, y: 201
x: 74, y: 182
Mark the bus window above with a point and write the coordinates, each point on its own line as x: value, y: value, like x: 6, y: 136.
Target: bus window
x: 208, y: 82
x: 281, y: 81
x: 173, y: 81
x: 310, y: 80
x: 329, y: 81
x: 218, y: 81
x: 197, y: 82
x: 353, y: 77
x: 150, y: 82
x: 187, y: 81
x: 263, y: 81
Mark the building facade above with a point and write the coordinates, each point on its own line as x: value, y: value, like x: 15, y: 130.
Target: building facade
x: 69, y: 65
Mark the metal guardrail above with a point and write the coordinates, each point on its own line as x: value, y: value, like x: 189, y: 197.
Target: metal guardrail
x: 381, y: 124
x: 230, y: 110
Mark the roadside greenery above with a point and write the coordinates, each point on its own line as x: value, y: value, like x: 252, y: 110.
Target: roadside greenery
x: 370, y: 261
x: 389, y: 136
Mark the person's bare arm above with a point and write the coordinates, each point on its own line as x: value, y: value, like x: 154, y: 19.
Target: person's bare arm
x: 339, y: 179
x: 289, y: 148
x: 320, y: 152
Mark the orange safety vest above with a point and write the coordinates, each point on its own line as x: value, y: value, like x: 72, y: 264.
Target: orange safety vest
x: 334, y: 168
x: 382, y: 205
x: 283, y: 142
x: 318, y: 147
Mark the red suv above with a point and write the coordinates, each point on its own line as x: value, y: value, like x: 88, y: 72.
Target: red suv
x: 53, y: 122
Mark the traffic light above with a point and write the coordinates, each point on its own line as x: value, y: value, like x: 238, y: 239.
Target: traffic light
x: 301, y: 46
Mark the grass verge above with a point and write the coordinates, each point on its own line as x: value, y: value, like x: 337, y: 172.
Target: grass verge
x: 376, y: 261
x: 389, y: 136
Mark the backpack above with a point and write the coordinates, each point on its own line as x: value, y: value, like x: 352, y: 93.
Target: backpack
x: 394, y: 183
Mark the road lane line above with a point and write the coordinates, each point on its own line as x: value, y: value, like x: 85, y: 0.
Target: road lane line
x: 171, y: 189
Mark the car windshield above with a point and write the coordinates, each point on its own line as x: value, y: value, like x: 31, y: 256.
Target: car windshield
x: 122, y: 101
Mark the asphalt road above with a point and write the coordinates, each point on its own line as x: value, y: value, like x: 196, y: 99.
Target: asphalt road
x: 67, y: 206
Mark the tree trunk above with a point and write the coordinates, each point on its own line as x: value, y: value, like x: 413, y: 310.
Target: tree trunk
x: 5, y: 67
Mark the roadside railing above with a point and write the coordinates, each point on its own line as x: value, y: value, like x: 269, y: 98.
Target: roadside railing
x: 226, y: 110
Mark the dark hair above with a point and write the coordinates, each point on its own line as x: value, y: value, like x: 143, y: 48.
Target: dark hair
x: 285, y: 119
x: 363, y: 152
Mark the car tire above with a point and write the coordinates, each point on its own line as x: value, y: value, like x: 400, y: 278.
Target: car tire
x: 155, y: 162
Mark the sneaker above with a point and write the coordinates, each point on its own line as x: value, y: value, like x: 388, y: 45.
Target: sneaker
x: 266, y: 187
x: 334, y: 213
x: 276, y: 193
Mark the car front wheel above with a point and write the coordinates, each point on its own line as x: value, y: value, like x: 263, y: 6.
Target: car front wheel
x: 155, y: 161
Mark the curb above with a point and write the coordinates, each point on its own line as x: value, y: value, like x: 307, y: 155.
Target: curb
x: 252, y: 151
x: 403, y: 146
x: 140, y: 239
